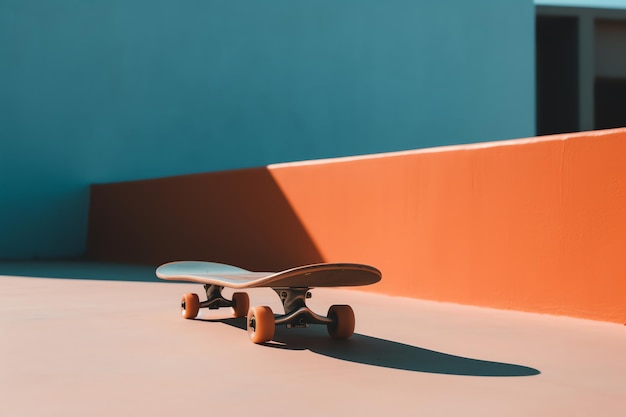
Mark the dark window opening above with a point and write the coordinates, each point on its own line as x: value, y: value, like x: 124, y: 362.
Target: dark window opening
x: 610, y: 103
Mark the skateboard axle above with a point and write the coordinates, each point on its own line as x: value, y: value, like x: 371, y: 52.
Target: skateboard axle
x: 302, y: 317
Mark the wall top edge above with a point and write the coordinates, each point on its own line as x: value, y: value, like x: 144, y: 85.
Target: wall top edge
x: 455, y: 148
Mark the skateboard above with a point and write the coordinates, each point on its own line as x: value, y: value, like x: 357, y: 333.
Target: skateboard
x: 292, y: 286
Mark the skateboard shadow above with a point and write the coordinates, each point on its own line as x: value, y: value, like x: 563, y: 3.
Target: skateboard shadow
x: 368, y: 350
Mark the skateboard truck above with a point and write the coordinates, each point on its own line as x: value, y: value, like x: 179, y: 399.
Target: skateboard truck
x: 190, y: 304
x: 214, y: 298
x: 261, y: 321
x: 297, y: 313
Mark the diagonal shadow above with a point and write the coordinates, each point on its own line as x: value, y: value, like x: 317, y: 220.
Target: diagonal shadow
x: 239, y: 217
x: 368, y: 350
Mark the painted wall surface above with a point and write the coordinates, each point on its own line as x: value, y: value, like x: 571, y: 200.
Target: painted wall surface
x: 110, y: 90
x: 534, y: 225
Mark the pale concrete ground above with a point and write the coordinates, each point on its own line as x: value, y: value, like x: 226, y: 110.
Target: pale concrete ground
x: 115, y: 344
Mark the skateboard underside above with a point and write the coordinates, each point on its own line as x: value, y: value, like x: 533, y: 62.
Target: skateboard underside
x: 261, y: 321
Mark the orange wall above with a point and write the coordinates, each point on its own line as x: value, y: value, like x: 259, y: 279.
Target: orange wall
x: 535, y: 225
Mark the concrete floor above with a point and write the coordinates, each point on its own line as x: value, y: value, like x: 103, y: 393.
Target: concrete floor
x: 103, y: 340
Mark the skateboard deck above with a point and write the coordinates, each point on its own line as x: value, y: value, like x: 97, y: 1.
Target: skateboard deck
x: 316, y: 275
x: 291, y: 285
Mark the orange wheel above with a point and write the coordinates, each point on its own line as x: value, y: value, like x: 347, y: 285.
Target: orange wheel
x: 342, y: 326
x: 241, y: 304
x: 189, y: 306
x: 261, y: 324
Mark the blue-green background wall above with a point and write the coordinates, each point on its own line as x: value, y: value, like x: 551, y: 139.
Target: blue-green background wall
x: 110, y: 90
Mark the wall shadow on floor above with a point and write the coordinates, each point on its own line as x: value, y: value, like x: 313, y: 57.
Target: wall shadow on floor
x: 369, y: 350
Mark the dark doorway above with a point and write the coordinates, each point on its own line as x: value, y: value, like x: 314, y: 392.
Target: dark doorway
x: 557, y: 74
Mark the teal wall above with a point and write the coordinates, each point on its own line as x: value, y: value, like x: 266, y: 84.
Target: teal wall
x: 110, y: 90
